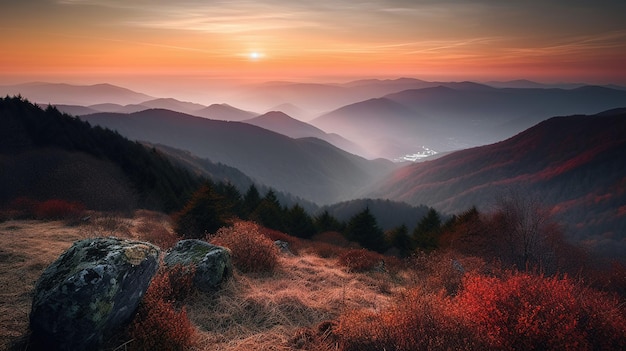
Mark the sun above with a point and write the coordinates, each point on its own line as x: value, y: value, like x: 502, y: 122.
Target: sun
x: 255, y: 55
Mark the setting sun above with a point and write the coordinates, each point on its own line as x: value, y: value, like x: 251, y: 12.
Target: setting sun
x: 255, y: 55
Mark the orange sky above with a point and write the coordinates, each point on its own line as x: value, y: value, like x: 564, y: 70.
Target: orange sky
x: 101, y: 40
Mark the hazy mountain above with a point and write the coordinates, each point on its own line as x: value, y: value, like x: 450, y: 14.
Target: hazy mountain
x: 292, y: 110
x: 575, y: 165
x: 281, y: 123
x: 118, y: 108
x: 67, y: 94
x: 308, y: 167
x: 382, y: 126
x: 316, y: 98
x: 457, y: 115
x: 224, y: 112
x: 73, y: 110
x: 174, y: 105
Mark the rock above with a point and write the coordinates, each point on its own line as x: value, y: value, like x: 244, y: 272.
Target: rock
x: 90, y: 291
x: 283, y: 246
x: 213, y: 264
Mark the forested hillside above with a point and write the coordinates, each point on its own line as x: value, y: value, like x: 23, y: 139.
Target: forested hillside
x: 47, y: 154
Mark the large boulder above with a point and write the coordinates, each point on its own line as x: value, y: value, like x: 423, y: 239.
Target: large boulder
x: 90, y: 291
x: 212, y: 263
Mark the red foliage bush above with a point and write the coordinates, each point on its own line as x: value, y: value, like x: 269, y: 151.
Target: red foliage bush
x: 251, y: 250
x: 361, y: 260
x: 418, y: 321
x: 158, y: 324
x: 532, y: 312
x: 58, y: 209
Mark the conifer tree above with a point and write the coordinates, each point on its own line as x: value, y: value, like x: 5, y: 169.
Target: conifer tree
x: 299, y: 223
x: 326, y: 222
x: 205, y: 213
x: 364, y: 229
x: 427, y: 231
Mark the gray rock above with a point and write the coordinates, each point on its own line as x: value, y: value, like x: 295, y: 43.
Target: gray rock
x: 213, y: 264
x: 90, y: 291
x: 283, y: 246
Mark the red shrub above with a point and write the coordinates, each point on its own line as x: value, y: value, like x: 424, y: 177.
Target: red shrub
x: 251, y: 250
x: 418, y: 321
x: 58, y: 209
x: 361, y: 260
x: 530, y: 312
x: 158, y: 324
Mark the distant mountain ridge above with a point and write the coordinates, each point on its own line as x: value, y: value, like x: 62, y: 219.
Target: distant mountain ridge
x: 455, y: 116
x: 309, y: 168
x: 69, y: 94
x: 282, y: 123
x: 574, y: 164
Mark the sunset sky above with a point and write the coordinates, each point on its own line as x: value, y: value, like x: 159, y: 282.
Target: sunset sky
x: 97, y: 40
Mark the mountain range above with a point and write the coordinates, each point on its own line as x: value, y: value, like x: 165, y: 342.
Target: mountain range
x: 307, y: 167
x: 488, y: 139
x: 574, y: 165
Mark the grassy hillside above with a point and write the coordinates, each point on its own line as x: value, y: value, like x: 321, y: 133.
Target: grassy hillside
x: 325, y: 297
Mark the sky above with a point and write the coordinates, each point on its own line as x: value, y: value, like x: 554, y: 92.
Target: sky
x: 482, y: 40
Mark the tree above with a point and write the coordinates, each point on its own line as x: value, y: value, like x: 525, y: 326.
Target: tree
x: 299, y: 223
x: 269, y: 212
x: 427, y: 231
x: 527, y: 235
x: 326, y: 222
x: 364, y: 229
x: 204, y: 213
x: 251, y: 201
x: 232, y: 198
x: 400, y: 239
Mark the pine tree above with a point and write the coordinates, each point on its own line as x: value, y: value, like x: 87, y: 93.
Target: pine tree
x: 427, y: 231
x: 364, y: 229
x: 326, y: 222
x: 299, y: 223
x: 205, y: 213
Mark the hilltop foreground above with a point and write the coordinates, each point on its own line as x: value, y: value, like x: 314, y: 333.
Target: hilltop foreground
x: 325, y: 296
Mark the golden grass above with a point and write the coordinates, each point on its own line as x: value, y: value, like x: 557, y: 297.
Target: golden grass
x: 253, y: 311
x: 263, y: 312
x: 26, y: 249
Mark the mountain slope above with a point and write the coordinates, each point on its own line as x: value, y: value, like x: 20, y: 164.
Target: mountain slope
x: 454, y: 116
x: 47, y: 154
x: 309, y: 168
x: 224, y: 112
x: 281, y: 123
x: 53, y: 93
x: 573, y: 164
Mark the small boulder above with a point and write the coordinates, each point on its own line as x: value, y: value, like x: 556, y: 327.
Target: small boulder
x: 212, y: 263
x: 91, y: 291
x: 283, y: 246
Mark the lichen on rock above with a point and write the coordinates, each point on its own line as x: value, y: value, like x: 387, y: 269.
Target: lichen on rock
x: 90, y: 291
x: 212, y: 263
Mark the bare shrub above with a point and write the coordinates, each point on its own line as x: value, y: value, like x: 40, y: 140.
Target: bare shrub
x: 251, y: 250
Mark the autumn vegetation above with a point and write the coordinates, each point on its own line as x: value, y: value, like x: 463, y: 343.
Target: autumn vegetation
x: 506, y: 279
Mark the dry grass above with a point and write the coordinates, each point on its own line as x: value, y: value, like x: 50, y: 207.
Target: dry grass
x: 26, y: 249
x: 253, y: 311
x: 261, y: 312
